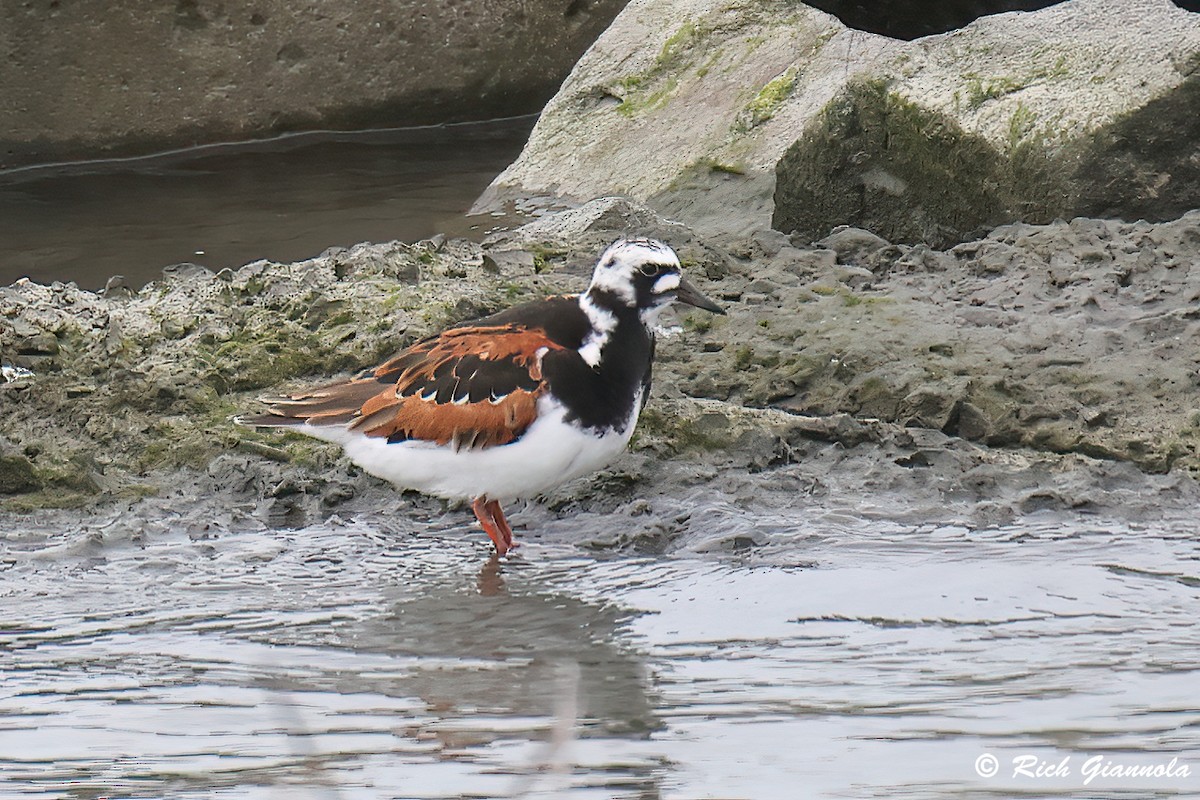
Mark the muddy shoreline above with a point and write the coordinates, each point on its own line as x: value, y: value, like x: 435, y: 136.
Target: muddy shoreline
x: 1041, y: 368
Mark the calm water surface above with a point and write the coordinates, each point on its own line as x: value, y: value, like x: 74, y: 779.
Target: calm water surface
x: 284, y: 200
x: 843, y: 657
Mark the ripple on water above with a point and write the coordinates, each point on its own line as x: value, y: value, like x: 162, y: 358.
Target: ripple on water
x: 852, y: 657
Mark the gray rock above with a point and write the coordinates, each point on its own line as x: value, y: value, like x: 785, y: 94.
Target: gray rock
x: 726, y: 116
x: 932, y: 406
x: 511, y: 260
x: 16, y: 474
x: 971, y: 423
x: 688, y: 103
x: 769, y: 242
x: 608, y: 216
x: 1087, y: 107
x: 81, y: 81
x: 40, y: 343
x: 115, y: 286
x: 853, y: 245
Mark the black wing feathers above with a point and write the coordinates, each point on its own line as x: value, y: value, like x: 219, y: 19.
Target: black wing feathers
x: 560, y: 318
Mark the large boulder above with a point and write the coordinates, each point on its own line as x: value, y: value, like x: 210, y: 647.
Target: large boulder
x: 689, y: 103
x: 1085, y: 108
x: 730, y: 116
x: 94, y: 79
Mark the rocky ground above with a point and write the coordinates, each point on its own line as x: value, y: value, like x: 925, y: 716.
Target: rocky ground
x: 1039, y: 368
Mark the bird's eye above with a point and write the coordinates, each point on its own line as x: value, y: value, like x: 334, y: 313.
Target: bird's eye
x: 649, y: 270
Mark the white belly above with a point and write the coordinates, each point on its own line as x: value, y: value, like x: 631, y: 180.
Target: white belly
x: 550, y: 453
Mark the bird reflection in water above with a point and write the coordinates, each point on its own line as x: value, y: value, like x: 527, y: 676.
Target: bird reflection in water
x: 507, y: 657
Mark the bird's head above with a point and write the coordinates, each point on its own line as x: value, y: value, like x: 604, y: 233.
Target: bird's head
x: 644, y: 274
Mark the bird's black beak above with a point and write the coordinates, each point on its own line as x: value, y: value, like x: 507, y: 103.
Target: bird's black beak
x: 687, y: 293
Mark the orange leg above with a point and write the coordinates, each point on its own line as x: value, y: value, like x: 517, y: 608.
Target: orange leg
x: 501, y: 522
x: 485, y: 514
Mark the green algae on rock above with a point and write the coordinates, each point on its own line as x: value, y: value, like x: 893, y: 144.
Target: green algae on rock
x: 878, y: 161
x: 17, y: 475
x: 1065, y: 344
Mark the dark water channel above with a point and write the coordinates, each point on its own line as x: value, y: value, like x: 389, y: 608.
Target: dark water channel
x: 283, y: 200
x: 845, y: 657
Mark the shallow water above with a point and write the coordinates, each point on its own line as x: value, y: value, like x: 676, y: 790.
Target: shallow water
x: 390, y: 657
x: 224, y: 206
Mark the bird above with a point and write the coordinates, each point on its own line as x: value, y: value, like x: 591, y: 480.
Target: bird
x: 511, y: 405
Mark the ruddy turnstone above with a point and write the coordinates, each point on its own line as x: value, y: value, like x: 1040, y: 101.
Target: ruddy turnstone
x: 511, y: 405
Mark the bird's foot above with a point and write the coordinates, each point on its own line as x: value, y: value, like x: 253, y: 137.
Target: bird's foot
x: 491, y: 519
x: 502, y: 523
